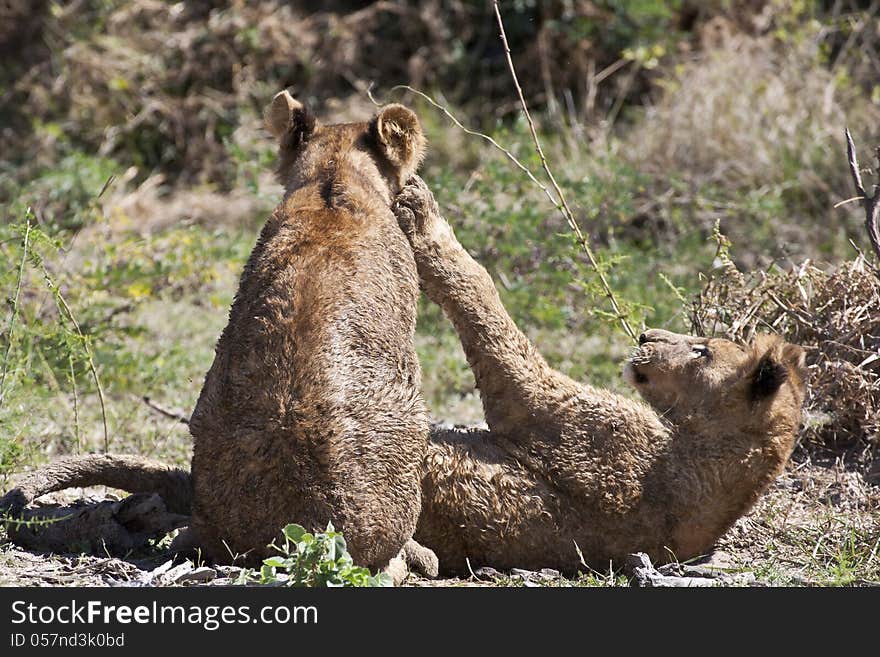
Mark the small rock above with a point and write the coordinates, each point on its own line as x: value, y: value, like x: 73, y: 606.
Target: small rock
x: 549, y: 573
x: 740, y: 579
x: 673, y: 569
x: 721, y: 559
x: 229, y: 571
x: 700, y: 570
x: 203, y: 574
x: 487, y: 571
x: 151, y: 575
x: 637, y: 560
x: 718, y: 565
x: 222, y: 581
x: 161, y: 570
x: 662, y: 581
x: 519, y: 572
x: 171, y: 576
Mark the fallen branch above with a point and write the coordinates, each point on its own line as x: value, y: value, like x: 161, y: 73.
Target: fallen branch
x: 871, y: 203
x: 642, y: 573
x: 107, y: 527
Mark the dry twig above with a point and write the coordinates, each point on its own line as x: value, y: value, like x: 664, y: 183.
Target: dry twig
x: 468, y: 131
x: 560, y: 201
x: 171, y: 415
x: 872, y: 203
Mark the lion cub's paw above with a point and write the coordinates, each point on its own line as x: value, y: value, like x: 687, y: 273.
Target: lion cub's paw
x: 418, y: 214
x: 420, y: 559
x: 413, y: 558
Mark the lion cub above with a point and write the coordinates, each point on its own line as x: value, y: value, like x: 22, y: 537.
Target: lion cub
x: 568, y: 473
x: 311, y: 411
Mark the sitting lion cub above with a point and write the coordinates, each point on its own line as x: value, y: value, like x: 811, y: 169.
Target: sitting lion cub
x: 311, y: 411
x: 567, y: 467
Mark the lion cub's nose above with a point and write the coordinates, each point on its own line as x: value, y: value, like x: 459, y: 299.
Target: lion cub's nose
x: 659, y: 335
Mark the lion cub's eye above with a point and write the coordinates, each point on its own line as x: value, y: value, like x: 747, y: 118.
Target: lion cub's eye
x: 700, y: 351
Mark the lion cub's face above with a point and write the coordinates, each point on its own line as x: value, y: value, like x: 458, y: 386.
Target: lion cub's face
x: 686, y: 375
x: 378, y: 155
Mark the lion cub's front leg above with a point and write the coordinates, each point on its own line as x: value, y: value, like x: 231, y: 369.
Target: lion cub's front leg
x: 514, y: 380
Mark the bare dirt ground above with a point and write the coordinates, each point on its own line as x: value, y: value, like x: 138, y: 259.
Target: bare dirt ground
x: 818, y: 525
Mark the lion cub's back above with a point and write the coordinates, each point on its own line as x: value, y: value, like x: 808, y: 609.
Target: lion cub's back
x: 312, y: 405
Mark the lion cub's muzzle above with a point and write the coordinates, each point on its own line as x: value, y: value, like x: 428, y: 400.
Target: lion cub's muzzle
x: 640, y: 357
x: 653, y: 343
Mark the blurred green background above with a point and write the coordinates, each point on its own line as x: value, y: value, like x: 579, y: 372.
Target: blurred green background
x: 135, y: 175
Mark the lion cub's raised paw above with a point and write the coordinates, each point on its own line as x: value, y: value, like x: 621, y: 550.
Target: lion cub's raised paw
x: 418, y: 214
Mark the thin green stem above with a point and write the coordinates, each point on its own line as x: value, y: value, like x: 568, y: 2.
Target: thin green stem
x: 14, y: 315
x: 64, y: 309
x: 75, y: 404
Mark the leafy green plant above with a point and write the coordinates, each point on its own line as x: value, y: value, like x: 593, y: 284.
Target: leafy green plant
x: 320, y: 559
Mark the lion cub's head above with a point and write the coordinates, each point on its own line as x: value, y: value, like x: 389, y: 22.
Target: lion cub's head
x: 685, y: 376
x: 380, y: 154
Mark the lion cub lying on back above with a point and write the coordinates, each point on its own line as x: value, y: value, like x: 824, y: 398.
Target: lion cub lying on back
x: 565, y: 463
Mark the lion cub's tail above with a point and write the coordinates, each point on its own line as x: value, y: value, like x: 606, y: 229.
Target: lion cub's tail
x: 134, y: 474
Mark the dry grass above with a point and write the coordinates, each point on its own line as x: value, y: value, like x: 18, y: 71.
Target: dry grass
x: 164, y: 85
x: 148, y: 208
x: 818, y: 525
x: 727, y: 115
x: 835, y: 315
x: 752, y: 133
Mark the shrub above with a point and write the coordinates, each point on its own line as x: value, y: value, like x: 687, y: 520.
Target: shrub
x: 752, y: 133
x: 834, y: 314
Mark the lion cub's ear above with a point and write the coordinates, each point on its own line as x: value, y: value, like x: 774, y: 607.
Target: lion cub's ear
x: 399, y: 137
x: 767, y: 378
x: 289, y: 121
x: 796, y: 358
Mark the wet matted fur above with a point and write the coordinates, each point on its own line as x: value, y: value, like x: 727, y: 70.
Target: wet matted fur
x: 311, y: 411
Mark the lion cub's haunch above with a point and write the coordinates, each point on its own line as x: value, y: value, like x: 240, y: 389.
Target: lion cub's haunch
x: 311, y: 411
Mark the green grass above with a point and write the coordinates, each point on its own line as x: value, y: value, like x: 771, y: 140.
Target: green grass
x: 150, y: 303
x: 831, y: 551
